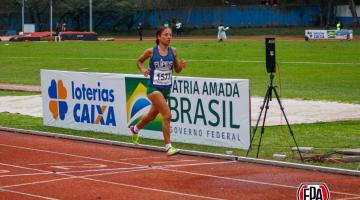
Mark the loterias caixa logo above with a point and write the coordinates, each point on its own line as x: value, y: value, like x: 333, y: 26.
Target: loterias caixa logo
x: 89, y: 105
x: 58, y: 94
x: 137, y: 103
x: 313, y: 191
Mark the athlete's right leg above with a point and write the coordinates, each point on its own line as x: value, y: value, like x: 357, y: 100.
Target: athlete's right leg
x: 144, y: 120
x: 159, y: 101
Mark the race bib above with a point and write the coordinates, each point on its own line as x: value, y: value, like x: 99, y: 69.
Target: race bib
x: 162, y: 77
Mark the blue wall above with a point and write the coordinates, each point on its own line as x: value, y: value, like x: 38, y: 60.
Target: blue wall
x: 235, y: 16
x: 346, y: 20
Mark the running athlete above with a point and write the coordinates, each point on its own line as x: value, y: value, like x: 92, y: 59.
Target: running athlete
x: 163, y: 60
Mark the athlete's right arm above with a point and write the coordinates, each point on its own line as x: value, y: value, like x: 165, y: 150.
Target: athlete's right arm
x: 140, y: 61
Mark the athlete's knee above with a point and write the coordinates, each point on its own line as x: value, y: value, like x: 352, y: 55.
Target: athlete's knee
x: 166, y: 116
x: 151, y: 117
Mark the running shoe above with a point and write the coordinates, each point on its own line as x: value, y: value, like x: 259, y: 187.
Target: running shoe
x: 135, y: 136
x: 172, y: 151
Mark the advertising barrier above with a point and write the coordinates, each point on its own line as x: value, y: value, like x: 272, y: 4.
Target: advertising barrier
x: 206, y: 111
x: 343, y: 34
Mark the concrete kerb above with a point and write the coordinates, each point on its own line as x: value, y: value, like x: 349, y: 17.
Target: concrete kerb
x: 188, y: 152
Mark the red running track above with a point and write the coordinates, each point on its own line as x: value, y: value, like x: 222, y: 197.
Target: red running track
x: 37, y: 167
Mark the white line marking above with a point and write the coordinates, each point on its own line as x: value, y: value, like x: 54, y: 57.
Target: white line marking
x: 67, y: 154
x: 201, y: 60
x: 174, y: 161
x: 351, y: 198
x: 199, y: 164
x: 36, y: 182
x: 120, y: 172
x: 4, y: 171
x: 57, y: 163
x: 32, y: 174
x: 91, y: 166
x: 137, y: 158
x: 179, y: 171
x: 17, y: 166
x: 249, y: 181
x: 109, y: 182
x: 28, y: 194
x: 153, y: 189
x: 68, y: 172
x: 142, y: 158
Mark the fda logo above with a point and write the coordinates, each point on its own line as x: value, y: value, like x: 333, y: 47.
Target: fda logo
x: 313, y: 191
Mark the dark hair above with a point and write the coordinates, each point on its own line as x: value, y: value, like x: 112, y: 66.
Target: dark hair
x: 159, y: 32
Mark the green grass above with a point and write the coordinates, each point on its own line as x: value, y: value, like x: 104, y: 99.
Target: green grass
x: 324, y: 78
x: 275, y: 139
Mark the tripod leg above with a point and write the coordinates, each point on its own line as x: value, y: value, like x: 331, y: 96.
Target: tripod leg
x: 287, y: 122
x: 258, y: 120
x: 268, y: 99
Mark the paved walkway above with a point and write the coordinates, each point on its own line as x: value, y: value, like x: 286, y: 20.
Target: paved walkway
x: 16, y: 87
x: 297, y: 111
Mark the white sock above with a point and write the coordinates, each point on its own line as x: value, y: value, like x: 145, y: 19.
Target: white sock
x: 136, y: 129
x: 168, y: 146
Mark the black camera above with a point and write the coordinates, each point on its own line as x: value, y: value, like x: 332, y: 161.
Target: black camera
x: 270, y: 55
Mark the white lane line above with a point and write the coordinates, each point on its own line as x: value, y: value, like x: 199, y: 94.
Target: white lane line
x: 114, y: 169
x: 17, y: 166
x: 249, y: 181
x: 112, y: 173
x: 27, y: 194
x: 108, y: 182
x: 36, y: 182
x: 174, y: 161
x: 351, y: 198
x: 153, y: 189
x: 68, y: 172
x: 227, y: 178
x: 54, y: 163
x: 67, y: 154
x: 28, y: 174
x: 91, y: 166
x: 142, y: 158
x: 199, y: 164
x: 200, y: 60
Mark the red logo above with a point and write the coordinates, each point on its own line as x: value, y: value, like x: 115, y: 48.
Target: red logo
x: 313, y: 191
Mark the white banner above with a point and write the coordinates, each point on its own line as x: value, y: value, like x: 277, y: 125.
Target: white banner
x: 83, y: 101
x: 205, y: 111
x: 343, y: 34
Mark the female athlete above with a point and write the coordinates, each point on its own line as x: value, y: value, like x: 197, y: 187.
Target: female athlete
x: 163, y: 60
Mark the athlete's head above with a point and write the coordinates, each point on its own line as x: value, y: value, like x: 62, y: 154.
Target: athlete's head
x: 163, y: 36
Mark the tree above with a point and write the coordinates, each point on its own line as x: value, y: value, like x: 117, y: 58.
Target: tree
x: 6, y: 9
x: 352, y: 7
x: 72, y: 9
x: 116, y: 11
x: 34, y: 9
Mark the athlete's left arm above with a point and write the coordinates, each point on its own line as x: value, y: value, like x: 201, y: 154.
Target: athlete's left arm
x: 179, y: 66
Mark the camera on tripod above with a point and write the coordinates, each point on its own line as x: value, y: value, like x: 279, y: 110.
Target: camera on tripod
x: 271, y: 89
x: 270, y: 55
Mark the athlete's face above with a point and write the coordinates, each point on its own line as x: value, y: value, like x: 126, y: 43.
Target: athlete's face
x: 165, y: 37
